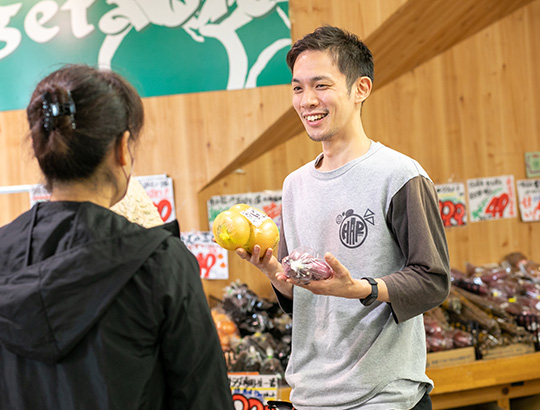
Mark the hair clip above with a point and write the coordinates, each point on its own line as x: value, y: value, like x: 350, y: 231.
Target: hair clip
x: 52, y: 110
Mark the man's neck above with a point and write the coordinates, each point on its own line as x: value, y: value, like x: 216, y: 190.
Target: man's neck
x: 337, y: 153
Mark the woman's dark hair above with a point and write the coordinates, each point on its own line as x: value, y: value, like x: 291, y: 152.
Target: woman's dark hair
x: 76, y: 115
x: 351, y: 55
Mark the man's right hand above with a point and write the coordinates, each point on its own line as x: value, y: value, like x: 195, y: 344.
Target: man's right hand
x: 270, y: 266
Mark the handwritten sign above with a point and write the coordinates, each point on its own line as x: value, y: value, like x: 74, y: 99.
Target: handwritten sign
x: 268, y: 201
x: 212, y: 258
x: 532, y: 164
x: 254, y: 390
x: 160, y: 190
x: 452, y: 204
x: 529, y: 199
x: 492, y: 198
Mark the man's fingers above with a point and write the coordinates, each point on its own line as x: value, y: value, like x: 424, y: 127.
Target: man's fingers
x: 333, y: 262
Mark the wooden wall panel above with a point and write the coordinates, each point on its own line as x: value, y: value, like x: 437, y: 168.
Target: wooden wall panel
x: 362, y: 17
x: 17, y: 165
x: 192, y: 137
x: 422, y: 29
x: 189, y: 137
x: 471, y: 112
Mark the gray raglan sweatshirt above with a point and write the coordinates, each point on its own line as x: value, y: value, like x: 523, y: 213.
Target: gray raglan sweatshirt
x: 379, y: 216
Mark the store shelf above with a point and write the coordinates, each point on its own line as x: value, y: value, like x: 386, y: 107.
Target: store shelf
x: 485, y: 381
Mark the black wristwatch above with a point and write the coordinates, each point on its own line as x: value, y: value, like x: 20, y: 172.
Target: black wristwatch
x: 374, y: 292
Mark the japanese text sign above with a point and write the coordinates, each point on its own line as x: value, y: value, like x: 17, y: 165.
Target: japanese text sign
x: 452, y: 204
x: 160, y: 190
x: 532, y: 164
x: 252, y: 391
x: 212, y: 258
x: 529, y: 199
x: 491, y: 198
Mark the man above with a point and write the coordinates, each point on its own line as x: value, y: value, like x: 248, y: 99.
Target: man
x: 358, y: 338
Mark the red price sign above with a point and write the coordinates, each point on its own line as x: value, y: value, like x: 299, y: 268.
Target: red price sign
x: 206, y: 262
x: 248, y: 404
x: 164, y: 208
x: 497, y: 205
x: 452, y: 214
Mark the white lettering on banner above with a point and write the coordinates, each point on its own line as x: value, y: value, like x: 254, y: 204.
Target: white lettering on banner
x: 172, y: 13
x: 216, y: 19
x: 79, y: 23
x: 34, y: 22
x: 11, y: 36
x: 125, y: 14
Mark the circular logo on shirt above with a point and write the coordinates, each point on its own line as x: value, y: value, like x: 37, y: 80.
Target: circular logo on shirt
x: 353, y: 229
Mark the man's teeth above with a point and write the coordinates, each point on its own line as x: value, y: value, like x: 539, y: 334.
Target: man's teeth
x: 315, y: 117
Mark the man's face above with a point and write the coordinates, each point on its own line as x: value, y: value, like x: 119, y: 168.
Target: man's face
x: 321, y: 97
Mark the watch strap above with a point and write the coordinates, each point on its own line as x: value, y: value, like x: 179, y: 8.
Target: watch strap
x: 374, y: 292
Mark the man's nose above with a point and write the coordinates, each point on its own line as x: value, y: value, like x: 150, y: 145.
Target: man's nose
x: 309, y: 98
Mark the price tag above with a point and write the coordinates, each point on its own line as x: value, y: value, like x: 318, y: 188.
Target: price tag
x: 492, y: 198
x: 452, y: 204
x: 255, y: 216
x: 529, y: 199
x: 160, y: 190
x: 252, y: 391
x: 212, y: 258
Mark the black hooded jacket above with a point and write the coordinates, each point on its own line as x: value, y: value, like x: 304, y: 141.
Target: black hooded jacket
x: 99, y: 313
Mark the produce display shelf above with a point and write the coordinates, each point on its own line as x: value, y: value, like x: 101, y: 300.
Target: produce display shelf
x: 482, y: 381
x: 486, y: 381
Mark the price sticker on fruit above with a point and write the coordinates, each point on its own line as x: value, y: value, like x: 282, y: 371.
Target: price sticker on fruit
x: 255, y: 216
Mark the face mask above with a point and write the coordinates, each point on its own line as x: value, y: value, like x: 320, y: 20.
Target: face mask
x: 128, y: 177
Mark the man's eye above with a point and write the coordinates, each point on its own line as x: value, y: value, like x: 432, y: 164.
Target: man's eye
x: 322, y: 86
x: 297, y: 89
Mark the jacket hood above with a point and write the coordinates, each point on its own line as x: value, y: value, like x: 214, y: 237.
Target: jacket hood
x: 61, y: 265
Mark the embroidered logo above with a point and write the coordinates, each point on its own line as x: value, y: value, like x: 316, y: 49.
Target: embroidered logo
x: 353, y: 228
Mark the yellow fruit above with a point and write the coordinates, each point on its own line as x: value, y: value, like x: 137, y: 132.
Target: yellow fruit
x: 266, y: 236
x: 243, y: 226
x: 231, y: 230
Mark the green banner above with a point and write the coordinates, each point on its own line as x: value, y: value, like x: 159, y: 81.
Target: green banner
x: 162, y: 47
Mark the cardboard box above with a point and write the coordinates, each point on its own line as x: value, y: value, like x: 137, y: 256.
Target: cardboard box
x: 508, y: 351
x: 452, y: 357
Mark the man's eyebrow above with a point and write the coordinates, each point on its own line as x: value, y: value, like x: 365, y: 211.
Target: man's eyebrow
x: 313, y: 79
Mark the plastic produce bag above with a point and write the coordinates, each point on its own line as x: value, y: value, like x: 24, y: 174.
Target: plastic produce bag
x: 304, y: 265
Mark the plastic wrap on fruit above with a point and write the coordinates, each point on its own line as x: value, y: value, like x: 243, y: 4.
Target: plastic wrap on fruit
x: 304, y: 265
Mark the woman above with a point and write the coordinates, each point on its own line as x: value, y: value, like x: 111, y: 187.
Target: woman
x: 97, y: 312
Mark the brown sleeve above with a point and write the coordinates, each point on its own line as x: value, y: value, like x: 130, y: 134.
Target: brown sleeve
x: 414, y: 219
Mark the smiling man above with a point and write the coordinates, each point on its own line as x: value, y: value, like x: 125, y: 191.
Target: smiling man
x: 358, y: 338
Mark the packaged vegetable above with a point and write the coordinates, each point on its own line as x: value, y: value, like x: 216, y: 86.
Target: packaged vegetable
x: 304, y: 265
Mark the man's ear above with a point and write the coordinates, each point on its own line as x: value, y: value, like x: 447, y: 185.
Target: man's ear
x: 362, y: 89
x: 123, y: 156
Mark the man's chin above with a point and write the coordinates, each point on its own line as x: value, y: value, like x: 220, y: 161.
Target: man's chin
x: 319, y: 137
